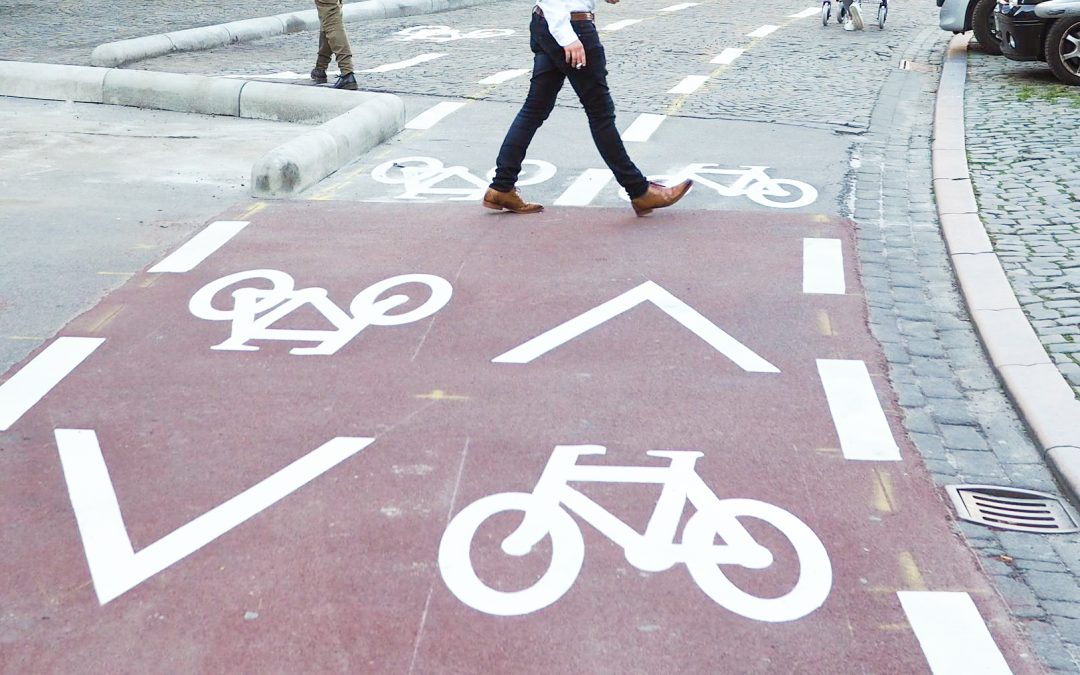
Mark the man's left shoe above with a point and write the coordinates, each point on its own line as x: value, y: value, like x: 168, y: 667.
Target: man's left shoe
x: 658, y: 196
x: 856, y: 16
x: 347, y: 81
x: 319, y: 75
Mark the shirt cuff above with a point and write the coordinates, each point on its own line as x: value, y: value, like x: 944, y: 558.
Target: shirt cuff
x: 558, y: 21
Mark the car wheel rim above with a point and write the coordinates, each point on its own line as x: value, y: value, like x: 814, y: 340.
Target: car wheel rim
x: 1069, y: 48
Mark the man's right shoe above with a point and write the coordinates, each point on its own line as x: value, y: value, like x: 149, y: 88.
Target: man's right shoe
x: 319, y: 75
x: 509, y: 201
x: 856, y: 16
x: 346, y: 82
x: 658, y: 196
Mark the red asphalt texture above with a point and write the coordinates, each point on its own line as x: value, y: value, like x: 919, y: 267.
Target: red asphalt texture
x: 342, y: 575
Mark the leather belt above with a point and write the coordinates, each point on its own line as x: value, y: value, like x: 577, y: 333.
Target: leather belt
x: 574, y: 16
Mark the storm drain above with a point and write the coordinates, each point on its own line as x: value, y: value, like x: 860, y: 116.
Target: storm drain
x: 1012, y: 508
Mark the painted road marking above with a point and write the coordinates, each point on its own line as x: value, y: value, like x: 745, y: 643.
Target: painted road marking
x: 857, y: 414
x: 115, y: 567
x: 823, y: 266
x: 689, y: 84
x: 619, y: 25
x: 652, y: 292
x: 584, y: 189
x: 200, y: 247
x: 642, y: 128
x: 499, y: 78
x: 763, y: 31
x: 809, y: 11
x: 952, y: 634
x: 728, y: 55
x: 37, y: 378
x: 433, y: 115
x: 678, y: 7
x: 404, y: 64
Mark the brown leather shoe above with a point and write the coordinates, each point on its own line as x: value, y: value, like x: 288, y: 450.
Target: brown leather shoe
x: 658, y: 196
x: 509, y: 201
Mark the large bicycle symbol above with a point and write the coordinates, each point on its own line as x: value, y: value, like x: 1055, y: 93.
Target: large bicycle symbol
x: 546, y: 512
x: 448, y: 34
x: 751, y: 181
x: 254, y: 310
x: 423, y: 176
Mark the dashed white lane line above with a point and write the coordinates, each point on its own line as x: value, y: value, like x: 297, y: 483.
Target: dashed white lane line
x: 619, y: 25
x: 433, y: 115
x: 37, y: 378
x: 583, y: 191
x: 809, y: 11
x: 728, y: 55
x: 504, y: 76
x: 823, y: 266
x: 200, y: 247
x: 678, y: 7
x: 763, y: 31
x: 404, y: 64
x: 857, y: 414
x: 952, y: 635
x: 642, y: 128
x: 689, y: 84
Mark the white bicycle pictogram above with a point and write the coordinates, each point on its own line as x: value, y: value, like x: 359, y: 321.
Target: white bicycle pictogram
x: 429, y: 176
x: 254, y: 310
x: 448, y: 34
x: 546, y: 512
x: 751, y: 181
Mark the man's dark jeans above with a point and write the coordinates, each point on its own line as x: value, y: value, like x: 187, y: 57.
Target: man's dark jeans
x: 590, y: 83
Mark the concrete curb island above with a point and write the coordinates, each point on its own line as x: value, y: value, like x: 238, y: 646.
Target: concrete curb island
x: 350, y: 122
x: 193, y: 39
x: 1044, y: 399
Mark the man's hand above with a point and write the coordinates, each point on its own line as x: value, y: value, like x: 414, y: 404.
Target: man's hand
x: 575, y: 54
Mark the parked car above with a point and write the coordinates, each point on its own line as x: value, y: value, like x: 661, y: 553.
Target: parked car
x: 960, y: 16
x: 1042, y: 30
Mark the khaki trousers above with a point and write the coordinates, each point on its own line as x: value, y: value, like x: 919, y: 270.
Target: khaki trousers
x: 332, y: 38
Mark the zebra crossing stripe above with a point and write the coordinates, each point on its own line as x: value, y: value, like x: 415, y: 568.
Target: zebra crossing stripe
x: 857, y: 414
x: 38, y: 377
x: 952, y: 634
x: 583, y: 191
x: 433, y: 115
x: 642, y: 128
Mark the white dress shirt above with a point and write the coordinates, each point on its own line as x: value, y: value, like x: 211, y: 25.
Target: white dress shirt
x: 557, y: 15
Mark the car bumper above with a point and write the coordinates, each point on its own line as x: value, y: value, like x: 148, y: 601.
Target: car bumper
x: 1021, y: 32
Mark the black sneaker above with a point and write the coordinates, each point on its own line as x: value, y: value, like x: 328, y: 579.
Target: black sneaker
x: 347, y: 81
x: 319, y: 75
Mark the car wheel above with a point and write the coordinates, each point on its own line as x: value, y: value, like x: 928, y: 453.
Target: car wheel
x: 1063, y: 50
x: 982, y: 24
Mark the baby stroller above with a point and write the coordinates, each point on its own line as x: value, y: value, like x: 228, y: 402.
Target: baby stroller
x: 852, y: 18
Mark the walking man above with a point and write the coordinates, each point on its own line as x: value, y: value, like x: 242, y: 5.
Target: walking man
x: 333, y: 42
x: 566, y: 45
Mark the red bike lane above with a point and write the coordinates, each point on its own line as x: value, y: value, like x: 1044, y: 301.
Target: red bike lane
x: 282, y: 511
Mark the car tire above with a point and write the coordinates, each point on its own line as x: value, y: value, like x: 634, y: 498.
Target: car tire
x: 982, y: 24
x: 1063, y: 50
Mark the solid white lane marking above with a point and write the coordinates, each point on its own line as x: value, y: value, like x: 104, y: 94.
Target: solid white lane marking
x: 404, y: 64
x: 433, y: 115
x: 857, y: 414
x: 583, y: 191
x: 499, y: 78
x: 728, y: 55
x: 689, y: 84
x: 652, y: 292
x: 642, y: 128
x: 678, y: 7
x: 37, y: 378
x: 200, y: 247
x: 114, y: 565
x: 619, y: 25
x: 809, y: 11
x: 823, y: 266
x: 763, y: 31
x: 953, y: 636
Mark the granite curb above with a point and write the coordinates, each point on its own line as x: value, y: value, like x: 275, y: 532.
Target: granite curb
x: 113, y: 54
x: 1043, y: 398
x: 350, y: 122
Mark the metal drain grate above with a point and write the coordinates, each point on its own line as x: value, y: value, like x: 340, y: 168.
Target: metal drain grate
x: 1011, y: 508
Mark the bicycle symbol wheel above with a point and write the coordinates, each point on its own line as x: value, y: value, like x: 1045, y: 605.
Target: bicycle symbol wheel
x: 405, y: 169
x: 815, y: 570
x: 455, y: 561
x: 782, y: 193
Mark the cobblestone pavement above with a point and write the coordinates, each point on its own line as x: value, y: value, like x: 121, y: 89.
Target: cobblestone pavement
x: 807, y: 75
x: 1024, y: 154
